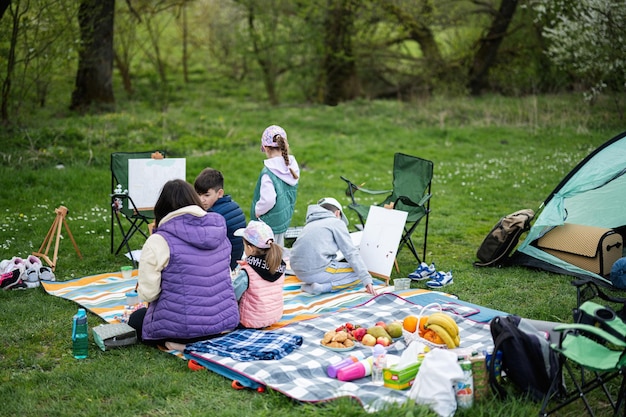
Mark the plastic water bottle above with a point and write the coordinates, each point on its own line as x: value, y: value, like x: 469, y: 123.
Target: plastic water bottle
x: 80, y: 339
x: 379, y: 362
x: 465, y: 387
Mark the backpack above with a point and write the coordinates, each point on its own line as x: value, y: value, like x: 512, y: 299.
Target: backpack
x: 528, y: 362
x: 503, y: 237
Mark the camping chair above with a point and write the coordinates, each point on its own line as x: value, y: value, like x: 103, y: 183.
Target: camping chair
x: 412, y: 178
x: 122, y: 204
x: 593, y: 353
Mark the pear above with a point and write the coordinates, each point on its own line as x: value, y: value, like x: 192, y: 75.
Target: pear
x: 378, y: 331
x: 394, y: 329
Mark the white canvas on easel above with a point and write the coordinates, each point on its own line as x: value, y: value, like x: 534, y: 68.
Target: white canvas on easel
x: 381, y: 238
x: 146, y: 178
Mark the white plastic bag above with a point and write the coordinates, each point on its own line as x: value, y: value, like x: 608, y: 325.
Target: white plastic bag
x: 434, y: 383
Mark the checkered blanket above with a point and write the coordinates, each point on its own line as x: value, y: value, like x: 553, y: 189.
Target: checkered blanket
x: 249, y: 345
x: 301, y: 375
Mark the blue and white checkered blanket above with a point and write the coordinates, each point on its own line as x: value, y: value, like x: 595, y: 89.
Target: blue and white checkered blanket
x: 249, y: 345
x: 301, y: 375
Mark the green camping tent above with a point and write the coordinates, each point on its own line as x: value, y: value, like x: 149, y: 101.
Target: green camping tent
x: 592, y: 194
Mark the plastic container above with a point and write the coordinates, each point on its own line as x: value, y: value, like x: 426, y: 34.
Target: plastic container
x: 132, y: 298
x: 333, y: 368
x: 480, y: 376
x: 379, y: 363
x: 402, y: 284
x: 464, y: 388
x: 357, y: 370
x: 127, y: 272
x: 497, y: 364
x: 80, y: 335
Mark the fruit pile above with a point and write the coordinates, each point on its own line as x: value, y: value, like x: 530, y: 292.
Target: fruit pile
x: 380, y: 333
x: 438, y: 328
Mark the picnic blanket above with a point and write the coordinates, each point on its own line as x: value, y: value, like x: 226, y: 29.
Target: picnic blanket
x: 105, y: 295
x: 301, y: 375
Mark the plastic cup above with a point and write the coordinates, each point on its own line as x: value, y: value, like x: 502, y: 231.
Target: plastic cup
x: 132, y: 298
x: 402, y: 283
x: 127, y: 272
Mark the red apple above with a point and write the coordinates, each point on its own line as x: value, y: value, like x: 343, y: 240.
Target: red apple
x: 368, y: 340
x: 359, y: 332
x: 381, y: 324
x: 384, y: 341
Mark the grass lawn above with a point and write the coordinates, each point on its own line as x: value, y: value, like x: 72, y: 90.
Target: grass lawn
x: 492, y: 156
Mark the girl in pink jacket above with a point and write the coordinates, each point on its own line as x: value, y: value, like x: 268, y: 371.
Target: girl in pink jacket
x: 260, y: 279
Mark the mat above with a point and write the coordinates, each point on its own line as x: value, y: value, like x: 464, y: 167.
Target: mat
x: 301, y: 375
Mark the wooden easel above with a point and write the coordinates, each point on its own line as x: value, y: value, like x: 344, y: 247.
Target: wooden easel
x: 56, y: 225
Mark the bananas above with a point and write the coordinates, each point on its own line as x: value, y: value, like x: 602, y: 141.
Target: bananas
x: 445, y: 327
x: 443, y: 334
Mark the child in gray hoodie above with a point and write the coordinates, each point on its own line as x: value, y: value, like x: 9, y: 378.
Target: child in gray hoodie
x: 313, y: 256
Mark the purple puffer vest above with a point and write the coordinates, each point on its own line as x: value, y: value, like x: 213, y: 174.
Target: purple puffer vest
x: 197, y: 297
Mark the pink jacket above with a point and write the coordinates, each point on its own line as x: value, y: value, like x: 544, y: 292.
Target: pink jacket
x: 261, y: 305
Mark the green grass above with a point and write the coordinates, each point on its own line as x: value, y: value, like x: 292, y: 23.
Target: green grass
x: 492, y: 156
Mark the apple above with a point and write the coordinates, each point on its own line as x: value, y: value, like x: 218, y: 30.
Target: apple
x: 384, y: 341
x: 368, y: 340
x: 359, y: 332
x: 381, y: 324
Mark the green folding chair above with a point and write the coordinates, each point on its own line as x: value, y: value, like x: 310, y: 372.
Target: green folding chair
x: 593, y: 353
x: 129, y: 218
x: 412, y: 182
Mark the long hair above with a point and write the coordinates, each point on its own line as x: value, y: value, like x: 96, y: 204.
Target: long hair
x: 273, y: 255
x: 283, y: 145
x: 175, y: 194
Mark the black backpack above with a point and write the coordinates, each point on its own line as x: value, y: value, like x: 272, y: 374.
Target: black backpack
x: 527, y: 360
x: 502, y: 239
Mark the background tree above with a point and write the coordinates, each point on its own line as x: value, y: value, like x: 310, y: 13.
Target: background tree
x: 94, y: 77
x: 588, y: 39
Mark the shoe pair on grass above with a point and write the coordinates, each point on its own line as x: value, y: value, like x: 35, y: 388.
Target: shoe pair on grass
x: 29, y: 272
x: 436, y: 279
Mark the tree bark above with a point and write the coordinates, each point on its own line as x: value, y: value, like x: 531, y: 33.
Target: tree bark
x: 342, y: 82
x: 486, y: 55
x: 6, y: 84
x: 94, y: 77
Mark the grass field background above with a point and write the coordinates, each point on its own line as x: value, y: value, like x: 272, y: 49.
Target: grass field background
x: 492, y: 156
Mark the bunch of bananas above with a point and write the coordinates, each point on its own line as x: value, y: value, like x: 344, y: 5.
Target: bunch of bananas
x: 445, y: 327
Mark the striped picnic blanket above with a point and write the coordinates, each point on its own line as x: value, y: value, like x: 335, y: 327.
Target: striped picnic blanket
x: 105, y: 296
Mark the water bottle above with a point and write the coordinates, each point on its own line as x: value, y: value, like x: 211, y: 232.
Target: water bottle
x: 465, y: 387
x: 379, y: 363
x: 80, y: 340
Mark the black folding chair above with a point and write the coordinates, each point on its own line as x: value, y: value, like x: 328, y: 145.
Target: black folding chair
x: 130, y: 218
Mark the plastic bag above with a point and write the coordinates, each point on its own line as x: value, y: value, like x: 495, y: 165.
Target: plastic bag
x: 434, y: 383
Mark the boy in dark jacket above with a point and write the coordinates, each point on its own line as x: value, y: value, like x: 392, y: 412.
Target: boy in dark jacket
x: 209, y: 185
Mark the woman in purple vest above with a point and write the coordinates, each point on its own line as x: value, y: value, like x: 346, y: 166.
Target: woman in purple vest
x: 184, y: 273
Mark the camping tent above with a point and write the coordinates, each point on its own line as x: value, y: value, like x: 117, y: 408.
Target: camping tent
x: 592, y: 194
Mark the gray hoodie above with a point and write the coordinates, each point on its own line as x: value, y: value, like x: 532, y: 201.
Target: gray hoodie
x: 317, y: 245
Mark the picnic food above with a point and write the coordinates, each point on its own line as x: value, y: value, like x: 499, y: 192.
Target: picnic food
x: 444, y: 327
x: 410, y: 323
x: 338, y: 339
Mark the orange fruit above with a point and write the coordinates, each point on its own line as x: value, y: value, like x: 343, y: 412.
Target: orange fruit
x: 422, y: 324
x: 410, y: 323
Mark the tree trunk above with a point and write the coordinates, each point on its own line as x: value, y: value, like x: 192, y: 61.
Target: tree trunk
x: 6, y: 85
x: 4, y: 5
x: 94, y: 77
x: 488, y: 50
x: 339, y: 67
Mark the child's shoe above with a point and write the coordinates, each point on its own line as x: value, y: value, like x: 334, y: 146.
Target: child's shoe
x: 10, y: 280
x: 440, y: 280
x: 424, y: 271
x: 46, y: 274
x: 33, y: 267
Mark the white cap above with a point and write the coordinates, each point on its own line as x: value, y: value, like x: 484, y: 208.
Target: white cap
x: 336, y: 204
